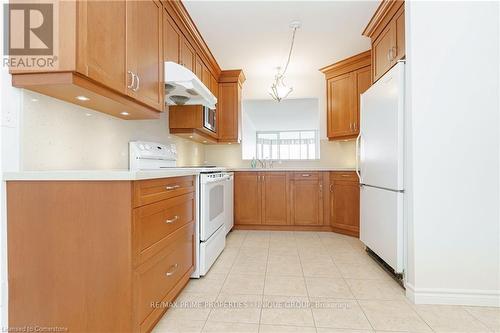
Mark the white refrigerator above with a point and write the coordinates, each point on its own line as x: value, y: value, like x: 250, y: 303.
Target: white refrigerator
x: 380, y: 167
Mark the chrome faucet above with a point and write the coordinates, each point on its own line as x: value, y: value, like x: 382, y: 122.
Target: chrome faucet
x: 262, y: 163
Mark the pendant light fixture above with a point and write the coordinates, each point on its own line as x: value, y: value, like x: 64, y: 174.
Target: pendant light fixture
x: 279, y: 90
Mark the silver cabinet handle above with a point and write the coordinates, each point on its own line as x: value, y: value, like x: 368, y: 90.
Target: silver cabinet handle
x: 132, y: 80
x: 172, y: 270
x: 355, y: 126
x: 137, y: 83
x: 173, y: 187
x: 331, y: 188
x: 389, y: 55
x: 306, y: 175
x: 344, y: 175
x: 172, y: 220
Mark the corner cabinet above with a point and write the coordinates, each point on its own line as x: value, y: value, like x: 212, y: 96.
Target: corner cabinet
x: 386, y: 30
x: 346, y: 81
x: 117, y: 75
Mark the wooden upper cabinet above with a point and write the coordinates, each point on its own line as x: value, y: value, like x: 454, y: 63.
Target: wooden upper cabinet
x: 144, y: 27
x: 198, y: 68
x: 247, y: 198
x: 363, y: 78
x: 171, y: 39
x: 103, y: 44
x: 229, y: 105
x: 382, y: 48
x: 400, y: 33
x: 346, y: 80
x: 306, y: 201
x: 340, y: 104
x: 187, y: 55
x: 275, y: 198
x: 205, y: 77
x: 387, y: 32
x: 344, y: 203
x: 214, y: 86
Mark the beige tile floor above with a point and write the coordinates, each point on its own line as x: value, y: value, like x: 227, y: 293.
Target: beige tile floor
x: 308, y: 282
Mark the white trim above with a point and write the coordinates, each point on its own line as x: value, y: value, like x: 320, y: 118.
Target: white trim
x: 472, y: 297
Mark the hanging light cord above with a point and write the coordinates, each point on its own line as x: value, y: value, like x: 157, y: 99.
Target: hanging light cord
x: 290, y: 52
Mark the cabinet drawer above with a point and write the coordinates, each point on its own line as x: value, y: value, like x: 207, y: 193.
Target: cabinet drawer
x: 348, y: 175
x: 156, y: 277
x: 149, y: 191
x: 153, y: 224
x: 305, y: 175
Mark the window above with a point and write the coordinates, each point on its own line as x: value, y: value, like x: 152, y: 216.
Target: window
x: 288, y: 145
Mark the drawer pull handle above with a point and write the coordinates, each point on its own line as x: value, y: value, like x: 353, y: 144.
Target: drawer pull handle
x: 172, y: 270
x: 346, y: 175
x: 173, y: 187
x: 306, y: 175
x: 172, y: 220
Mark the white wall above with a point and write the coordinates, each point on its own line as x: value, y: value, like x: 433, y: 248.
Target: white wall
x: 59, y: 135
x: 453, y: 158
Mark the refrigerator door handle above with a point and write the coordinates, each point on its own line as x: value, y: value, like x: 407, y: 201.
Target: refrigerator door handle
x: 358, y: 150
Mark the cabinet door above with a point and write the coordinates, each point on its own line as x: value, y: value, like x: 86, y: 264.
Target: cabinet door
x: 187, y: 55
x: 214, y: 86
x: 144, y: 51
x: 205, y: 78
x: 228, y: 108
x: 345, y: 207
x: 102, y: 46
x: 382, y: 49
x: 198, y: 68
x: 341, y: 106
x: 363, y: 82
x: 307, y: 202
x: 274, y: 198
x: 247, y: 198
x: 171, y: 39
x: 400, y: 34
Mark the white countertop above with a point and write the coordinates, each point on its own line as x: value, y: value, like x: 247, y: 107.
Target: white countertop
x: 277, y: 168
x: 96, y: 175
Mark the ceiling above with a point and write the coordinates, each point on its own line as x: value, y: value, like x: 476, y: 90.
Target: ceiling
x: 255, y: 36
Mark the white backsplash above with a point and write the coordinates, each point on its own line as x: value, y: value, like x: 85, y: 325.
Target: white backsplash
x: 334, y: 154
x: 57, y: 135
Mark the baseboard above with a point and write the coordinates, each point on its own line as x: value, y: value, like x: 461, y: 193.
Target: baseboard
x: 282, y: 227
x: 453, y: 296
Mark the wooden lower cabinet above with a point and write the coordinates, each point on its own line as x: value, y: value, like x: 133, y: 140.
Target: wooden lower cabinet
x: 247, y: 198
x: 306, y: 191
x: 275, y: 191
x: 98, y: 256
x: 344, y: 203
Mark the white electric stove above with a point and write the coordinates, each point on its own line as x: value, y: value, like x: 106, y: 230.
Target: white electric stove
x: 214, y: 193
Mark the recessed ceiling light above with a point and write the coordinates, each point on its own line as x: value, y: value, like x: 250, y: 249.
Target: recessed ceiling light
x: 204, y: 141
x: 34, y: 99
x: 190, y: 136
x: 88, y: 114
x: 82, y: 98
x: 124, y: 113
x: 229, y: 143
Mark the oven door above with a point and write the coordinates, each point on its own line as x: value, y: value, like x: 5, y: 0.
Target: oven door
x: 212, y: 206
x: 209, y: 119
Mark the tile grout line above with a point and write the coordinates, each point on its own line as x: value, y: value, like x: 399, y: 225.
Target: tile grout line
x: 308, y: 295
x: 225, y: 278
x: 492, y: 329
x: 264, y: 286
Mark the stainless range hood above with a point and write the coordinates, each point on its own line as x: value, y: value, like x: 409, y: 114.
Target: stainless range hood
x: 183, y: 87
